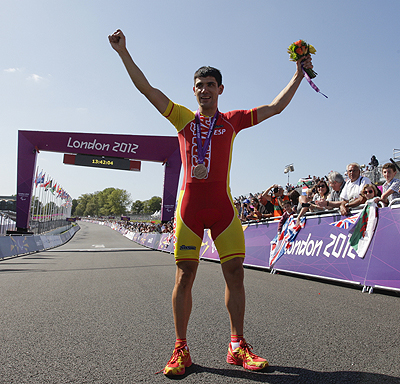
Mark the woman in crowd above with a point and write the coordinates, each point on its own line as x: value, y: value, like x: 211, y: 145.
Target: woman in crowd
x: 322, y: 194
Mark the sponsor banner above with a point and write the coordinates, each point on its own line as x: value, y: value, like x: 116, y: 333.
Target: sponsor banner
x: 323, y: 250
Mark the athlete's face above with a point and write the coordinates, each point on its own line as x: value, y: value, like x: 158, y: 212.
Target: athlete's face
x: 206, y: 90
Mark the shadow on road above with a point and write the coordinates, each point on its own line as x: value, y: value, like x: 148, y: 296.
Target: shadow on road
x: 292, y: 375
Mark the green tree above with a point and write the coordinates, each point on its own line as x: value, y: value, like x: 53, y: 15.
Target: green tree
x: 118, y: 201
x: 154, y: 204
x: 110, y: 201
x: 82, y: 202
x: 73, y: 208
x: 92, y: 206
x: 137, y: 207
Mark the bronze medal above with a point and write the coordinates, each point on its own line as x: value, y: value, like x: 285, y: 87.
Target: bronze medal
x: 200, y: 171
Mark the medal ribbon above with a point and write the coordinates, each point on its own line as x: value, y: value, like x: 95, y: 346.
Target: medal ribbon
x: 201, y: 151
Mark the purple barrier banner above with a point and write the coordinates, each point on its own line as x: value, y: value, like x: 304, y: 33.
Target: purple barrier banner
x: 384, y: 264
x: 150, y: 240
x: 323, y: 250
x: 21, y: 245
x: 166, y: 243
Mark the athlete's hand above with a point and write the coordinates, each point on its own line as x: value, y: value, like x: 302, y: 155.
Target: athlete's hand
x: 117, y: 40
x: 306, y: 62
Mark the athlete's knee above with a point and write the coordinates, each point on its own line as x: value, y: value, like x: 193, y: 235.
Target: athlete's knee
x: 233, y: 271
x: 185, y: 273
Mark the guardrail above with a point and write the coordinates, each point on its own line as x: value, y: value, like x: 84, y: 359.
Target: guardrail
x: 12, y: 246
x: 6, y: 223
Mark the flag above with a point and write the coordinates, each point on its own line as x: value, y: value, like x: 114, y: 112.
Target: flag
x: 47, y: 185
x: 284, y: 240
x: 38, y: 178
x: 347, y: 222
x: 41, y: 181
x: 364, y: 228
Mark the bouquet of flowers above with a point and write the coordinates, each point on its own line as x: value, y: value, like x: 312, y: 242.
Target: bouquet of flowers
x: 298, y: 50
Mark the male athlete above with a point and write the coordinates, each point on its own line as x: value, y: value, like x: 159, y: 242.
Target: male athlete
x: 205, y: 140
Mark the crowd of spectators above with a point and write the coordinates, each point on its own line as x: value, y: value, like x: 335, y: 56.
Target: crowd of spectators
x: 147, y: 227
x: 334, y: 191
x: 313, y: 194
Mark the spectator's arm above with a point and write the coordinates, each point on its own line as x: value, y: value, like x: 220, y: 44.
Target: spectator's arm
x: 267, y: 194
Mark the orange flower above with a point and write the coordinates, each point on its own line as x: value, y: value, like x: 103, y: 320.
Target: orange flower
x: 298, y: 43
x: 299, y: 51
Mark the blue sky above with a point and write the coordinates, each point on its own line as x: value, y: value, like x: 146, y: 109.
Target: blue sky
x: 58, y: 73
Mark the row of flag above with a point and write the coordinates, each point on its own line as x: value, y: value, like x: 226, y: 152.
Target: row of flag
x: 51, y: 185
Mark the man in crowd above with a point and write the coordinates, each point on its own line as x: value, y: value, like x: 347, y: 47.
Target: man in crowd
x: 276, y: 198
x: 266, y: 207
x: 259, y: 210
x: 392, y: 185
x: 205, y: 200
x: 353, y: 187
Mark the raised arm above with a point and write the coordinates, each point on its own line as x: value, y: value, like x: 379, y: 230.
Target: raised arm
x: 154, y: 95
x: 285, y: 96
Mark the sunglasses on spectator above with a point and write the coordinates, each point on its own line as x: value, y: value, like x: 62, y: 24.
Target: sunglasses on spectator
x: 370, y: 191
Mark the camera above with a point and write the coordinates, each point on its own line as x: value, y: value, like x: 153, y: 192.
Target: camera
x: 275, y: 190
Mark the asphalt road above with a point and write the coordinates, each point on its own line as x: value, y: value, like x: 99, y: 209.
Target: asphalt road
x: 98, y: 310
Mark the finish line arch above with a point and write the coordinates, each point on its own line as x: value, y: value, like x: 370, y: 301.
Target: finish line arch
x: 163, y: 149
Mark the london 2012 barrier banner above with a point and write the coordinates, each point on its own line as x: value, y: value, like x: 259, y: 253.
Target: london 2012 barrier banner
x: 319, y: 249
x: 323, y: 250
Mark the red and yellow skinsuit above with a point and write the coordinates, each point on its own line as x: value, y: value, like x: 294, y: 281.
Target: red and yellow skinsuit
x: 207, y: 203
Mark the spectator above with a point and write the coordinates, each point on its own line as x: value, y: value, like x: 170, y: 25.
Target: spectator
x: 321, y: 195
x: 336, y: 181
x: 237, y: 206
x: 374, y: 162
x: 266, y: 207
x: 276, y: 198
x: 245, y: 209
x: 353, y: 186
x: 289, y: 211
x: 294, y: 198
x: 306, y: 204
x: 259, y: 211
x: 369, y: 191
x: 392, y: 185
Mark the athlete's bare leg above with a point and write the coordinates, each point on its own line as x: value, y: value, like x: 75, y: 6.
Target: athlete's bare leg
x: 234, y: 293
x: 182, y: 296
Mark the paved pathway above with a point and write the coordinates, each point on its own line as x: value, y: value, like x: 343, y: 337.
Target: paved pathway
x: 98, y: 310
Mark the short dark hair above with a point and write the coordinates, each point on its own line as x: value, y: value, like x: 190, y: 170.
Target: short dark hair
x: 389, y: 166
x: 209, y: 71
